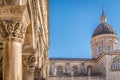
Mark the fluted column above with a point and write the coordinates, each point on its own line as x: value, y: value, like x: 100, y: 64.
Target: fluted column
x: 12, y: 32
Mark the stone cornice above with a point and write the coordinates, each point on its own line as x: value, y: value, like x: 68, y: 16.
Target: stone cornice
x: 13, y: 22
x: 29, y: 50
x: 107, y: 53
x: 69, y: 59
x: 85, y: 59
x: 103, y: 36
x: 11, y: 12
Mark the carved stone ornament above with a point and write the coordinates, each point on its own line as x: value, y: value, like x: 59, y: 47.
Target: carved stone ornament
x: 28, y: 61
x: 10, y: 2
x: 11, y: 12
x: 12, y: 29
x: 38, y: 74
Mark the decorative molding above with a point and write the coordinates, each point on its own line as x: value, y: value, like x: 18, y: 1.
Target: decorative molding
x: 28, y: 61
x: 28, y: 49
x: 12, y: 29
x: 43, y: 6
x: 10, y: 11
x: 11, y: 2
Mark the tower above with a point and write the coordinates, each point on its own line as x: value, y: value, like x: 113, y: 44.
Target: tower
x: 104, y: 38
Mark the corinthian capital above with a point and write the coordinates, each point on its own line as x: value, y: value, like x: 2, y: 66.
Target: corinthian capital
x: 28, y: 61
x: 12, y: 29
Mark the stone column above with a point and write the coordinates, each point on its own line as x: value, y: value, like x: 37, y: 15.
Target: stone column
x: 12, y: 32
x: 28, y: 66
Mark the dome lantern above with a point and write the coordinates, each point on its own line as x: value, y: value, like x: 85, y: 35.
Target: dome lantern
x: 103, y: 18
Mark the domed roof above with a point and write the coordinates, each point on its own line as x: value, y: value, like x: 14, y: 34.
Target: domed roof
x: 104, y: 28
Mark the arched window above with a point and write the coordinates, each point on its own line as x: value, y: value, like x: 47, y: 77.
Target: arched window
x: 75, y: 70
x: 99, y: 50
x: 116, y: 64
x: 109, y: 48
x: 59, y: 70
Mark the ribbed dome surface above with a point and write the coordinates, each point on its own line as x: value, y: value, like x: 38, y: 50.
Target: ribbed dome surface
x: 103, y: 28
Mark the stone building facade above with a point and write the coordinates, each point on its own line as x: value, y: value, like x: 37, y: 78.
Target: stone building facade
x: 104, y: 64
x: 24, y: 39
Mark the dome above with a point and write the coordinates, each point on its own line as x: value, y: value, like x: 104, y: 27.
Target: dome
x: 103, y: 28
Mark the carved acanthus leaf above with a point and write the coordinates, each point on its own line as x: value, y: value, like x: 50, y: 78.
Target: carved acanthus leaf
x: 28, y: 61
x: 12, y: 29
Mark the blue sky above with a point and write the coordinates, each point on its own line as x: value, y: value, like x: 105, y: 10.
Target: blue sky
x: 72, y: 23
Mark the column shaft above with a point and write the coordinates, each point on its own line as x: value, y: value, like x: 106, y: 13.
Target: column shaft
x: 28, y: 74
x: 12, y: 59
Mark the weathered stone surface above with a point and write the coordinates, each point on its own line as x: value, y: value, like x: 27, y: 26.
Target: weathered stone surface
x: 24, y: 32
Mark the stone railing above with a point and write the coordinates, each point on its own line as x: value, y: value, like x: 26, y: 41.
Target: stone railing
x: 78, y: 78
x: 78, y: 74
